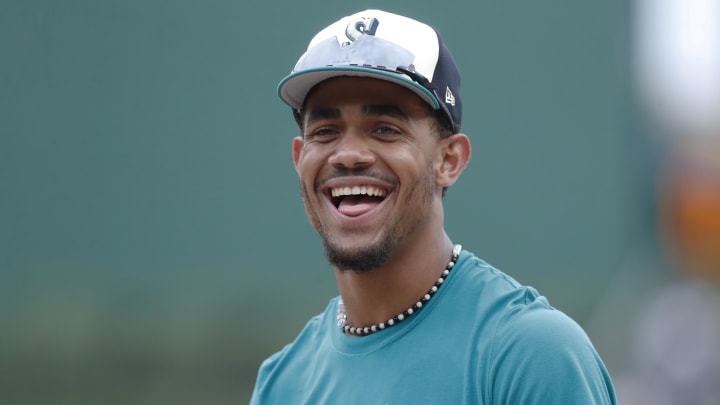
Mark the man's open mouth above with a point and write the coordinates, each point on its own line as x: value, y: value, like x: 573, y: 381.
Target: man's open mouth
x: 357, y: 200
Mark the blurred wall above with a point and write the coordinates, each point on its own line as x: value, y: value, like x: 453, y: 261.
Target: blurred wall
x: 153, y: 245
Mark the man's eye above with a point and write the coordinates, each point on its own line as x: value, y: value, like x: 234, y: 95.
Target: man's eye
x: 386, y: 130
x: 322, y: 133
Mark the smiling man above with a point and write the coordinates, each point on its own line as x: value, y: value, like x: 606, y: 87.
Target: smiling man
x: 418, y: 320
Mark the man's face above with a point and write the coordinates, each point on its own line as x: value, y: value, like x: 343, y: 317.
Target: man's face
x: 367, y: 163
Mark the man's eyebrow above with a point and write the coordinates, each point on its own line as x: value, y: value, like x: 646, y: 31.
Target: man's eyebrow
x: 389, y: 110
x: 385, y: 109
x: 322, y: 113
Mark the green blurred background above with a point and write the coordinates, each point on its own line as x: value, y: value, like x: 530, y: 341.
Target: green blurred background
x: 153, y: 245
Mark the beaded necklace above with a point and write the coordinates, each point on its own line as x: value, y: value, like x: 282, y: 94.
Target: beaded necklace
x: 342, y: 321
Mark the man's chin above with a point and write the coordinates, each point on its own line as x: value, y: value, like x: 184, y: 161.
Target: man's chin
x: 357, y: 259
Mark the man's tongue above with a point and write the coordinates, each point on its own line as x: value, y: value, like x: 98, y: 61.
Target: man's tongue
x: 354, y: 206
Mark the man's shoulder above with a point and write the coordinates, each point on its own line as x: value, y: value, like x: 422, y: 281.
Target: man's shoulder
x: 294, y: 356
x: 529, y: 343
x: 476, y: 272
x: 511, y: 311
x: 479, y: 283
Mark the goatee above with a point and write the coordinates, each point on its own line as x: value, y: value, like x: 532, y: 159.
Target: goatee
x: 359, y: 260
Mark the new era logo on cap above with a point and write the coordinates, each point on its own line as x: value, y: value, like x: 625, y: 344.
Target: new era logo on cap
x: 385, y: 46
x: 449, y: 98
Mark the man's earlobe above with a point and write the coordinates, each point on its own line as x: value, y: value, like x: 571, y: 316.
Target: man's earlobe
x: 456, y: 153
x: 297, y: 150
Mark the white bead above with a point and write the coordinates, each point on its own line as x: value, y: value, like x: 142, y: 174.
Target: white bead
x: 427, y: 298
x: 381, y: 325
x: 410, y: 311
x: 391, y: 322
x: 366, y: 330
x: 446, y: 272
x: 374, y: 328
x: 401, y: 317
x: 434, y: 289
x: 440, y: 280
x: 419, y: 304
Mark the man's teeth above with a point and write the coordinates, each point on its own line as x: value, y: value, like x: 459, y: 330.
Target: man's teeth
x: 357, y: 190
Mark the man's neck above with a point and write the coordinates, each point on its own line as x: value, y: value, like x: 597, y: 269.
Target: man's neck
x: 379, y: 294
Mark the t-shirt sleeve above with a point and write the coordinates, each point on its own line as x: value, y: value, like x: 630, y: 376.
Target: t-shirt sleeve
x: 541, y: 356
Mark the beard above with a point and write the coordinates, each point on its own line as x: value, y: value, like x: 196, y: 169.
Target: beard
x: 362, y: 259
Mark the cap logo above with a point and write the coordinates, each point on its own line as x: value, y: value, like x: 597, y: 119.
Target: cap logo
x: 360, y: 26
x: 449, y: 97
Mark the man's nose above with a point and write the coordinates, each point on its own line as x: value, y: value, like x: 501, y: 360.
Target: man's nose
x: 352, y: 151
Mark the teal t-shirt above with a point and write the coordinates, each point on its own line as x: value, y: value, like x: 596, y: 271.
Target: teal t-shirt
x: 482, y: 339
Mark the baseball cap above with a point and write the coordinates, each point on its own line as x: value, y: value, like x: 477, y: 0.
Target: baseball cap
x: 381, y: 45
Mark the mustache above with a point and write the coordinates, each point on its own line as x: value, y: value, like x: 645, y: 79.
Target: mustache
x: 340, y: 172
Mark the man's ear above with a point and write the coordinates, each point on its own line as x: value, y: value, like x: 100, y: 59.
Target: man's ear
x: 454, y: 156
x: 297, y: 151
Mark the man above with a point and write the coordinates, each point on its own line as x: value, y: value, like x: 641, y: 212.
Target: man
x: 418, y: 320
